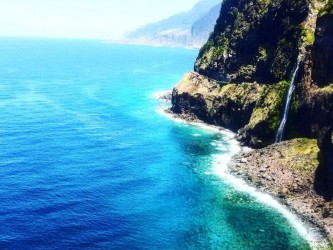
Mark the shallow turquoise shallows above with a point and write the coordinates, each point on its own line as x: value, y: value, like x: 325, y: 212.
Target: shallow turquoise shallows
x: 86, y: 161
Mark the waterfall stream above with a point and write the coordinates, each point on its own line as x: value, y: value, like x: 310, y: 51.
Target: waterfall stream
x: 279, y: 134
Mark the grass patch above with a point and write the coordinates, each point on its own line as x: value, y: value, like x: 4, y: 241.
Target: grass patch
x: 308, y: 36
x: 327, y: 9
x: 303, y: 155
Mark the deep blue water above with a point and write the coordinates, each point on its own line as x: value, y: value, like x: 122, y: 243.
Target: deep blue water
x: 87, y: 162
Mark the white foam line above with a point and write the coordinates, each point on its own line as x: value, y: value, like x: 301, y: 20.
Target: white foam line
x: 220, y: 163
x: 220, y: 169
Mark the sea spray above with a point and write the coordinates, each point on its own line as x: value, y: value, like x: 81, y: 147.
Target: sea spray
x: 280, y: 132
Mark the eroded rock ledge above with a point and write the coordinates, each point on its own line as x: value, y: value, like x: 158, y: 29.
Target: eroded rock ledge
x: 251, y: 109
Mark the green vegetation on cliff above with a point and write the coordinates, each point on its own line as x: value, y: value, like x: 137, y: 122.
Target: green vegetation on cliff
x: 255, y: 40
x: 254, y: 108
x: 303, y: 155
x: 256, y: 45
x: 328, y: 8
x: 241, y: 78
x: 308, y: 36
x: 269, y: 108
x: 327, y: 88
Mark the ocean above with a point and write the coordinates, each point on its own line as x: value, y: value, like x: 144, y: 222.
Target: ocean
x: 88, y: 160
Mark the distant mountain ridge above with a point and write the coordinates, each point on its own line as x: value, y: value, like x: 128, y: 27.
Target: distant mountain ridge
x: 186, y: 29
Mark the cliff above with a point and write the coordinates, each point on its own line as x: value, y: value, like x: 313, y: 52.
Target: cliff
x: 254, y: 41
x: 241, y: 79
x: 258, y: 43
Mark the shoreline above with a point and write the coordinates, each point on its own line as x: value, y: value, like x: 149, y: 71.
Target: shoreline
x: 299, y: 198
x: 311, y: 231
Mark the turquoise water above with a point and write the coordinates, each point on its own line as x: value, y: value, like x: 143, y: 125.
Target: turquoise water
x: 87, y: 162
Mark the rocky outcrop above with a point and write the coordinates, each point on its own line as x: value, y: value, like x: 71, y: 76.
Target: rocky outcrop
x: 214, y: 102
x: 257, y: 43
x: 248, y: 107
x: 254, y: 41
x: 240, y: 82
x: 289, y: 171
x: 313, y: 104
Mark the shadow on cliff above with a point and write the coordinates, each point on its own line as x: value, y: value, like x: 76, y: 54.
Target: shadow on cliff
x: 323, y: 183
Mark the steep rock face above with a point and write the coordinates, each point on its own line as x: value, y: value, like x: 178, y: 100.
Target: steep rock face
x: 323, y: 51
x: 250, y: 108
x: 258, y: 42
x: 214, y: 102
x: 254, y: 41
x: 325, y: 173
x: 313, y: 103
x: 320, y: 107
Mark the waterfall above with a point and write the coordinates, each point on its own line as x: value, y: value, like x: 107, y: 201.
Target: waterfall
x: 279, y: 134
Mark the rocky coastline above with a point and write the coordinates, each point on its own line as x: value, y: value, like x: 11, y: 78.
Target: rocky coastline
x: 290, y: 172
x: 240, y: 82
